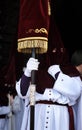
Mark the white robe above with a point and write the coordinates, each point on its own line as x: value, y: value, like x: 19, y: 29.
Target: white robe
x: 17, y: 108
x: 66, y: 90
x: 4, y: 121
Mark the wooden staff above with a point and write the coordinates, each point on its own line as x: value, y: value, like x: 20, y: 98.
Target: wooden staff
x: 32, y: 95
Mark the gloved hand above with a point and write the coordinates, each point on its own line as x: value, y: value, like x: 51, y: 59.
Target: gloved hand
x: 32, y: 64
x: 53, y: 70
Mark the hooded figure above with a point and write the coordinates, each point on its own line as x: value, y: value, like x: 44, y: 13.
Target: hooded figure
x: 56, y: 89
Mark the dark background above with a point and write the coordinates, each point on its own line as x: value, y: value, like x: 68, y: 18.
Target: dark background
x: 68, y: 16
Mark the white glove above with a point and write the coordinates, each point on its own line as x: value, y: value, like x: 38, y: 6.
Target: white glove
x: 32, y: 64
x: 52, y: 70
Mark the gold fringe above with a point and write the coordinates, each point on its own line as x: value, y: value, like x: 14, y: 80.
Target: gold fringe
x: 25, y: 45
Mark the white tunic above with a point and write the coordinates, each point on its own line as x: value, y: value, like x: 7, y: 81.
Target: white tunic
x: 66, y: 90
x: 17, y: 108
x: 3, y: 121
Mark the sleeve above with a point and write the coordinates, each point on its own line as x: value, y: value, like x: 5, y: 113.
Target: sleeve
x: 68, y: 86
x: 5, y: 110
x: 22, y: 86
x: 16, y: 105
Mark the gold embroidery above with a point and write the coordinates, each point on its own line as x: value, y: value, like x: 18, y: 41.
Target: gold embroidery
x: 49, y: 8
x: 41, y: 30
